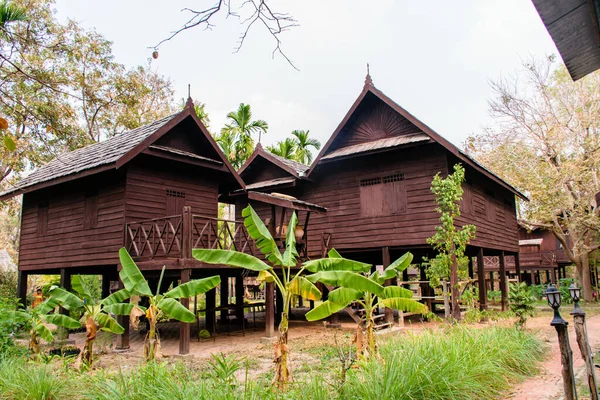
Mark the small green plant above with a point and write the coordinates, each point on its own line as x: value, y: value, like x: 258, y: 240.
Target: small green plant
x: 521, y: 302
x: 223, y: 368
x: 494, y: 295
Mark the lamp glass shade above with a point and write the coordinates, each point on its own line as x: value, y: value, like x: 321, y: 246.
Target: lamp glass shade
x: 575, y: 292
x: 553, y: 295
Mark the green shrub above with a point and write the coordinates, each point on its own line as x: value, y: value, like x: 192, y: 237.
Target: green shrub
x: 521, y: 302
x: 21, y: 379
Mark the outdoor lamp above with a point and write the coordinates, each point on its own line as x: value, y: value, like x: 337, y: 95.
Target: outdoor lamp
x: 576, y: 296
x: 553, y: 296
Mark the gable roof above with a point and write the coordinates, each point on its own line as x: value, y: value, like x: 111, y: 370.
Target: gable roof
x: 370, y: 89
x: 111, y: 153
x: 292, y: 167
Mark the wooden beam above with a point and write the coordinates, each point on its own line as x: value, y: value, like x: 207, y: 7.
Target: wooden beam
x: 503, y: 287
x: 297, y: 205
x: 518, y: 266
x: 239, y: 298
x: 22, y: 288
x: 105, y: 285
x: 185, y: 328
x: 215, y: 165
x: 186, y: 233
x: 210, y: 314
x: 481, y: 280
x: 269, y: 309
x: 385, y: 256
x: 224, y: 296
x: 123, y: 320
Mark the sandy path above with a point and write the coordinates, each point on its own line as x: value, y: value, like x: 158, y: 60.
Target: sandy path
x: 548, y: 385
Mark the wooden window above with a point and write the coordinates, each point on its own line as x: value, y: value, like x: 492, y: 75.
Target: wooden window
x: 42, y: 219
x: 90, y: 212
x: 490, y: 206
x: 384, y: 195
x: 175, y: 202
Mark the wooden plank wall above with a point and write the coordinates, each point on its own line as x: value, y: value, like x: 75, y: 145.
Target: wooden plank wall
x: 66, y: 242
x: 148, y: 182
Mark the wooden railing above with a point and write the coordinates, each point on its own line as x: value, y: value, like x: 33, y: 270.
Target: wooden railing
x: 157, y: 237
x: 218, y: 233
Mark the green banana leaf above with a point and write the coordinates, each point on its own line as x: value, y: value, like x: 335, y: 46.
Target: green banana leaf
x: 290, y: 253
x: 333, y: 253
x: 78, y: 285
x: 347, y: 279
x: 109, y: 324
x: 131, y: 276
x: 62, y: 320
x: 344, y: 295
x: 231, y: 258
x: 47, y: 306
x: 324, y: 310
x: 66, y: 299
x: 404, y: 304
x: 44, y: 332
x: 117, y: 297
x: 174, y: 309
x: 261, y: 235
x: 396, y: 291
x: 265, y: 276
x: 120, y: 308
x: 193, y: 288
x: 336, y: 264
x: 402, y: 263
x: 300, y: 286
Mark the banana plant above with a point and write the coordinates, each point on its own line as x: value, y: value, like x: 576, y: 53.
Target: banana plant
x: 367, y: 291
x: 288, y: 276
x: 97, y: 314
x: 36, y: 320
x: 160, y: 304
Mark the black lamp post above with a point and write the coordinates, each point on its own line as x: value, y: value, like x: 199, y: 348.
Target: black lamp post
x: 554, y: 300
x: 575, y: 292
x: 566, y: 355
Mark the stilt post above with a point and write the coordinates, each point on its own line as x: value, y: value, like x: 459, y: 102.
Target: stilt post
x: 503, y: 287
x: 481, y: 280
x: 185, y: 328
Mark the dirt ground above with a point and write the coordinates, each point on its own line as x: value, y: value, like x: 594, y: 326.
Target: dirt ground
x: 306, y: 338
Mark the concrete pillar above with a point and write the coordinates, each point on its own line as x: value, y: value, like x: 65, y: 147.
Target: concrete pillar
x: 185, y: 328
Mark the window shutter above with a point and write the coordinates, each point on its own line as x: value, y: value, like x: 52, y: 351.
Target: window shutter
x: 371, y: 197
x: 175, y: 202
x: 42, y: 218
x: 90, y: 213
x: 382, y: 195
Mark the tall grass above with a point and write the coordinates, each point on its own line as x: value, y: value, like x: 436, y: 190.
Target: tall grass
x: 455, y: 363
x: 461, y: 363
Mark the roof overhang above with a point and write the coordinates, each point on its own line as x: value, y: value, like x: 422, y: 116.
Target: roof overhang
x: 286, y: 202
x: 573, y: 26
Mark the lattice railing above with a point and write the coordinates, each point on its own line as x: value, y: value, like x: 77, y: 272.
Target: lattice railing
x: 217, y: 233
x: 158, y: 237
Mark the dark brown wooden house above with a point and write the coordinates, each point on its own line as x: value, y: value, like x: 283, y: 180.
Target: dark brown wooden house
x: 154, y: 190
x: 373, y: 176
x: 540, y: 251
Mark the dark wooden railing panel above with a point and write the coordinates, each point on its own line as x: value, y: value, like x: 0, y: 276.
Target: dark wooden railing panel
x: 158, y: 237
x: 218, y: 233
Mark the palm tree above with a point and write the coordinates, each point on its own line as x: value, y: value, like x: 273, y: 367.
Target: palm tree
x: 284, y: 148
x: 10, y: 12
x: 226, y: 141
x: 302, y: 144
x: 241, y: 128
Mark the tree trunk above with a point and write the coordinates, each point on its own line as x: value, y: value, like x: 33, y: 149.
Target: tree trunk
x: 34, y: 342
x: 283, y: 373
x: 91, y: 328
x: 582, y: 266
x: 152, y: 342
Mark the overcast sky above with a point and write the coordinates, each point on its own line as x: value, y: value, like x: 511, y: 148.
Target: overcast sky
x: 434, y: 58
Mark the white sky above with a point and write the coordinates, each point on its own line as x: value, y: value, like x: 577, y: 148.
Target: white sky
x: 435, y: 59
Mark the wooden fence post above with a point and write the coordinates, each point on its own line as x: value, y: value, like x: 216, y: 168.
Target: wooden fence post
x: 186, y: 230
x: 566, y: 359
x: 586, y: 353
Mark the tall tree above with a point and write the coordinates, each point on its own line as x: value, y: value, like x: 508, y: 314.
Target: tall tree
x: 284, y: 148
x: 546, y: 142
x: 448, y: 241
x: 303, y: 143
x: 239, y: 129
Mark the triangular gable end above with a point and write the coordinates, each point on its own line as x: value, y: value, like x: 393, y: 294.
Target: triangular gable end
x: 368, y: 108
x: 262, y: 159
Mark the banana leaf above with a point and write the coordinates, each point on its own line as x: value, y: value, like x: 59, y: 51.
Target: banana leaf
x: 333, y: 253
x: 344, y: 295
x: 404, y: 304
x: 117, y: 297
x: 66, y: 299
x: 265, y: 276
x: 347, y: 279
x: 290, y: 253
x: 109, y: 324
x: 402, y: 263
x: 47, y: 306
x: 302, y: 287
x: 44, y: 332
x: 231, y: 258
x: 324, y: 310
x: 78, y: 285
x: 261, y: 235
x: 175, y: 310
x: 396, y: 291
x: 62, y: 320
x: 119, y: 308
x: 193, y: 288
x: 130, y: 275
x: 336, y: 264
